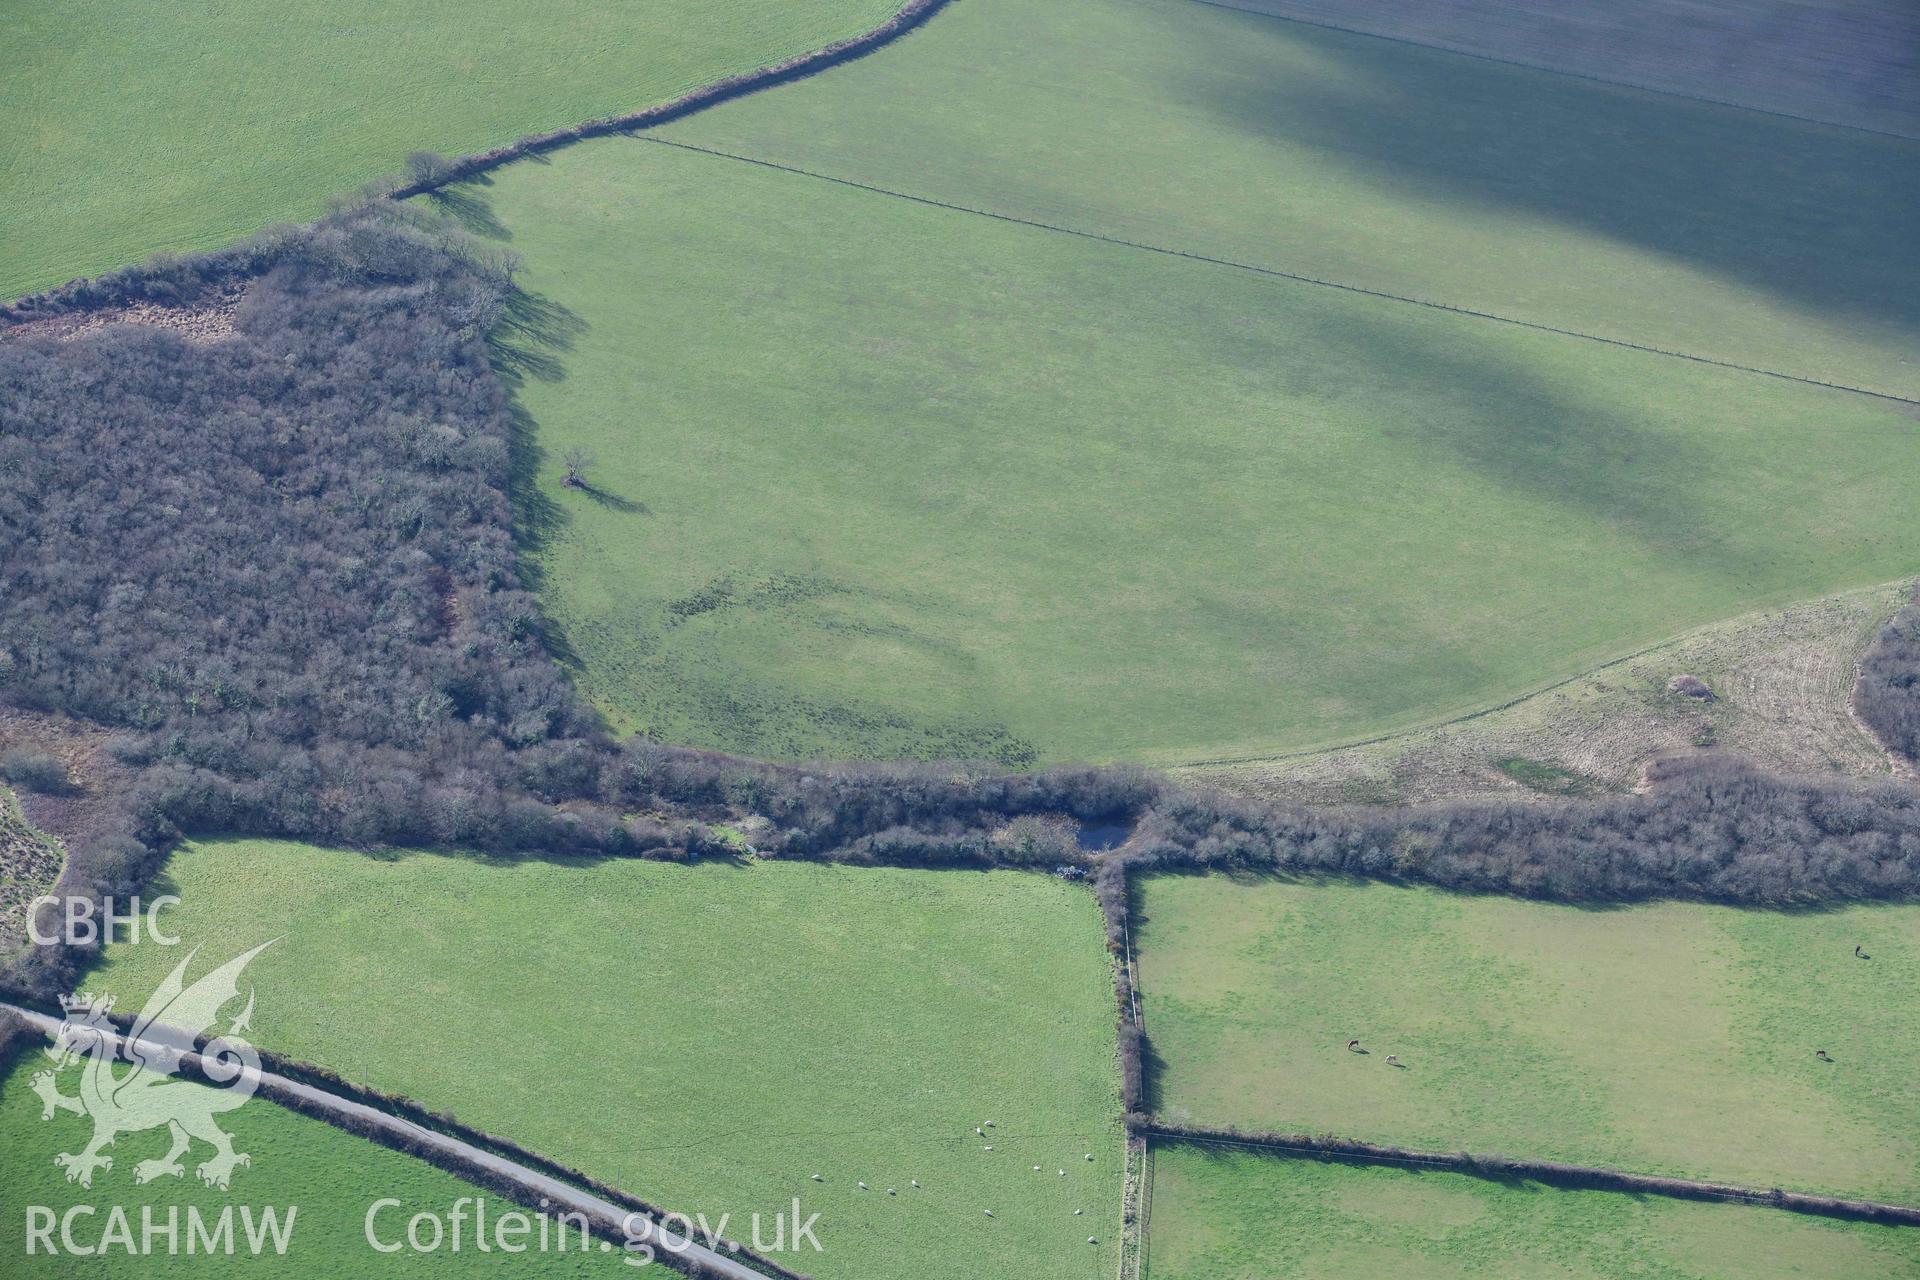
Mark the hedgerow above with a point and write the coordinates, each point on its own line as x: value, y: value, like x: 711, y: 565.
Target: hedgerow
x: 1887, y: 696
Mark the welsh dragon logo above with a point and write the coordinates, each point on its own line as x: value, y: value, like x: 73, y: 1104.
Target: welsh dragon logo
x: 148, y: 1095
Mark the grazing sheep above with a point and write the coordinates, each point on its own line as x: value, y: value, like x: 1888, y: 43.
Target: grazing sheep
x: 989, y: 1148
x: 891, y: 1191
x: 1822, y: 1055
x: 988, y: 1212
x: 979, y: 1131
x: 1063, y: 1173
x: 1858, y: 952
x: 1076, y: 1213
x: 818, y: 1178
x: 1353, y: 1046
x: 913, y: 1182
x: 1036, y: 1168
x: 1091, y: 1240
x: 1089, y: 1155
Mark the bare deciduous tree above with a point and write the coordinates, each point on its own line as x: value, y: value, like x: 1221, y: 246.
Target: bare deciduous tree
x: 578, y: 461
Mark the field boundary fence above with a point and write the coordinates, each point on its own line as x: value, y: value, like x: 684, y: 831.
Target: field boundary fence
x: 1506, y: 1168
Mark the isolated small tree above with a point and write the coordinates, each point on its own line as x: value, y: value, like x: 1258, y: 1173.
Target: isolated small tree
x: 576, y: 460
x: 428, y: 166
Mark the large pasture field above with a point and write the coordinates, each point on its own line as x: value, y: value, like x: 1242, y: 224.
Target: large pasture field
x: 709, y: 1037
x: 1236, y: 1216
x: 181, y: 124
x: 880, y: 479
x: 1543, y: 197
x: 1671, y: 1038
x: 328, y: 1177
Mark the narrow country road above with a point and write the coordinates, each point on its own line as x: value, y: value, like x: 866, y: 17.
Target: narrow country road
x: 566, y: 1197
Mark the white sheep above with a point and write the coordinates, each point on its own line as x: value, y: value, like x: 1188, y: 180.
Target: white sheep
x: 863, y: 1186
x: 913, y: 1182
x: 818, y: 1178
x: 988, y: 1212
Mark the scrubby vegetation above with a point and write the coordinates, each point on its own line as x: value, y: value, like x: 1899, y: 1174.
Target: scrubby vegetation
x: 34, y: 770
x: 29, y: 862
x: 279, y: 562
x: 247, y: 552
x: 1888, y: 695
x: 1709, y: 828
x: 1782, y: 680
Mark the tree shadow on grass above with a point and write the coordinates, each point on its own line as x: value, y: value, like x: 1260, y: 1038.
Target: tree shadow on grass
x: 1153, y: 1070
x: 610, y: 500
x: 530, y: 337
x: 469, y: 209
x: 1817, y: 216
x: 527, y: 342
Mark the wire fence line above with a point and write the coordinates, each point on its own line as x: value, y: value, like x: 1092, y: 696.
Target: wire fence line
x: 1279, y: 274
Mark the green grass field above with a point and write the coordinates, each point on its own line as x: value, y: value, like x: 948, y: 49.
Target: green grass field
x: 708, y: 1037
x: 1721, y: 232
x: 1232, y: 1216
x: 329, y: 1178
x: 1672, y: 1039
x: 182, y: 124
x: 879, y: 479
